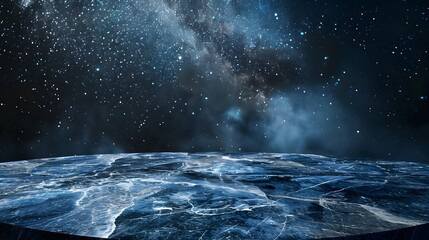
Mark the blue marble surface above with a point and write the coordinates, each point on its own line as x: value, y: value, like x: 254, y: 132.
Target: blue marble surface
x: 213, y: 196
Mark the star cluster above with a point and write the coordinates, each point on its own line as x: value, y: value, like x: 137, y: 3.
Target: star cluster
x: 339, y: 78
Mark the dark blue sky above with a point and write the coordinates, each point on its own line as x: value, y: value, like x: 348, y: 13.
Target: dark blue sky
x: 343, y: 78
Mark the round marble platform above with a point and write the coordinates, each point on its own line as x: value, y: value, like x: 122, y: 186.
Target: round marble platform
x: 213, y: 196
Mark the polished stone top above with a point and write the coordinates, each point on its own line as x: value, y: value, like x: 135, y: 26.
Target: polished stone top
x: 213, y: 195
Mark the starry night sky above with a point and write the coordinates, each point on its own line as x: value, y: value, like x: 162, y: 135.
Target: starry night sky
x: 342, y: 78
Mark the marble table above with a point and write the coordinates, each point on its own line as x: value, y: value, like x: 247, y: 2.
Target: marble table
x: 213, y: 196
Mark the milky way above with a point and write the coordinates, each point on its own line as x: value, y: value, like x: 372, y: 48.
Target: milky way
x: 213, y: 75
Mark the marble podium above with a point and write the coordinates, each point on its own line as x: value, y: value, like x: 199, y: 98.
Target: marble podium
x: 213, y: 196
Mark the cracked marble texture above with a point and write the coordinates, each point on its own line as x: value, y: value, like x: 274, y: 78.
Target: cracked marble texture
x: 213, y: 196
